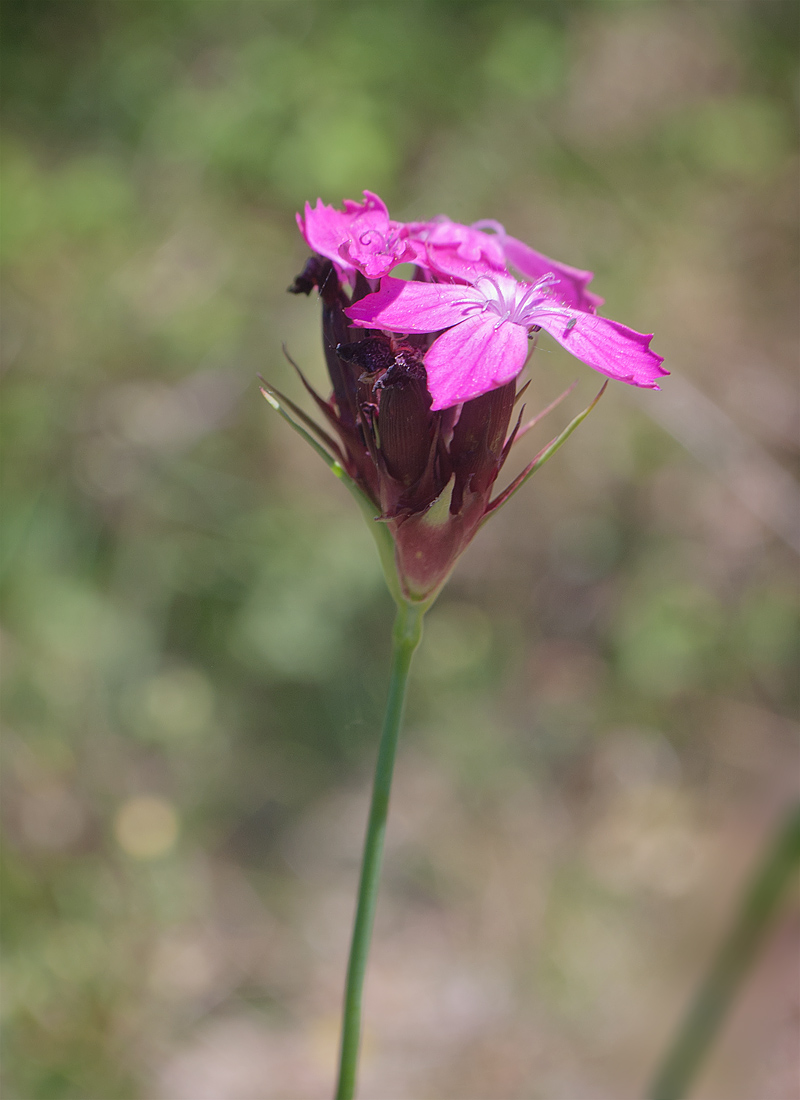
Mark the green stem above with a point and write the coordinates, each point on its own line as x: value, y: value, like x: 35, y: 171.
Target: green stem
x: 406, y: 637
x: 714, y: 998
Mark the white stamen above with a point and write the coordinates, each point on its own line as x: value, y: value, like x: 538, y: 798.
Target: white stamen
x: 518, y: 303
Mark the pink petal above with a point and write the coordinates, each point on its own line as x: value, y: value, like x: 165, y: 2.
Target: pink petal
x: 362, y: 236
x: 572, y: 282
x: 457, y: 251
x: 473, y: 358
x: 371, y: 257
x: 471, y: 244
x: 325, y: 228
x: 449, y: 263
x: 401, y: 306
x: 608, y: 346
x: 372, y: 205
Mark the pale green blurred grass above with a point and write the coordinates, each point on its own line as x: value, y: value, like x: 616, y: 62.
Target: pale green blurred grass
x: 195, y: 632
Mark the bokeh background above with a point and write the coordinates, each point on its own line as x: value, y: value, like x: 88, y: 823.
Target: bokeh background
x: 195, y: 630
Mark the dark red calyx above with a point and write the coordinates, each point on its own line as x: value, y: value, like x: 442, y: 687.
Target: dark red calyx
x: 478, y: 438
x: 405, y: 424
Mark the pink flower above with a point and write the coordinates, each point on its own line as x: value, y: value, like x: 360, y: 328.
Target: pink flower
x: 464, y: 252
x: 417, y: 423
x: 456, y: 251
x: 485, y: 342
x: 362, y: 238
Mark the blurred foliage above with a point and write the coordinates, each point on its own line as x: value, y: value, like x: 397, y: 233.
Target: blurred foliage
x: 195, y: 634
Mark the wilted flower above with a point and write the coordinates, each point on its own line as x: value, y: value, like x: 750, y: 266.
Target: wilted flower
x: 423, y: 370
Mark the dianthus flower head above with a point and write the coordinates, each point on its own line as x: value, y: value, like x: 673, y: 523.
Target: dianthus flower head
x: 423, y: 371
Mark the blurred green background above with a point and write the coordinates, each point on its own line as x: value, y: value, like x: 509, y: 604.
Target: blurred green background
x: 195, y: 631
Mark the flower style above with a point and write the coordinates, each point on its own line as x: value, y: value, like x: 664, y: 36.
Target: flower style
x: 424, y: 371
x: 485, y: 342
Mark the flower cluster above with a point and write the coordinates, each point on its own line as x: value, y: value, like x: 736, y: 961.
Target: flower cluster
x: 423, y: 370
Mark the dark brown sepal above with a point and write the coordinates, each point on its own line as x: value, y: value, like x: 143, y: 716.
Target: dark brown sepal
x: 369, y: 356
x: 478, y: 437
x: 404, y: 421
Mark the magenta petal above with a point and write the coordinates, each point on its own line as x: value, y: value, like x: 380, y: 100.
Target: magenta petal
x: 473, y: 358
x: 401, y: 306
x: 325, y: 228
x: 608, y: 346
x: 449, y: 263
x: 455, y: 251
x: 372, y: 205
x: 372, y: 263
x: 572, y: 282
x: 471, y: 245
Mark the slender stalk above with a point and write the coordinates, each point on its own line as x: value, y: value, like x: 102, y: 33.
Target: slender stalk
x: 406, y: 637
x: 714, y: 998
